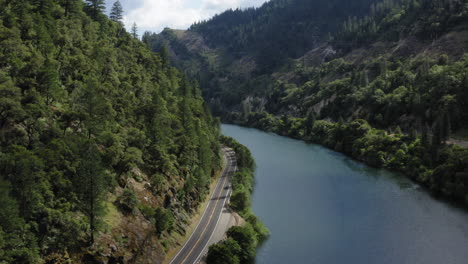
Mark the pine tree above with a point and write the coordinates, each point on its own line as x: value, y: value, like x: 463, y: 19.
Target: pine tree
x: 49, y: 82
x: 93, y: 107
x: 90, y: 183
x: 96, y: 7
x: 116, y: 12
x: 146, y: 38
x: 134, y: 31
x: 164, y: 54
x: 70, y: 6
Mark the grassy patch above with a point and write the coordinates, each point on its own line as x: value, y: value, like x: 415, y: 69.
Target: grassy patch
x: 113, y: 215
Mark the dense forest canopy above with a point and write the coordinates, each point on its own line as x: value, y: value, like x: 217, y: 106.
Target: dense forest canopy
x: 283, y: 28
x: 88, y: 114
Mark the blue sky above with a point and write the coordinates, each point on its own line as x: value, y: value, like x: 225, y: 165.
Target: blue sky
x: 155, y: 15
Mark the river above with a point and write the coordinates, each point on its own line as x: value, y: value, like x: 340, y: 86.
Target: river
x: 325, y: 208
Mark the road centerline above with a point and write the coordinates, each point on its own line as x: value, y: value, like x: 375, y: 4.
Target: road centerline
x: 206, y: 226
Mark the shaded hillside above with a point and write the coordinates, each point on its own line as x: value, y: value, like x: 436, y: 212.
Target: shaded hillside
x: 283, y: 28
x: 105, y: 149
x: 225, y: 52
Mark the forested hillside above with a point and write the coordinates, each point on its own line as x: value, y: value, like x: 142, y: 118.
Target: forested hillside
x: 286, y: 28
x: 385, y: 82
x: 225, y: 52
x: 105, y: 149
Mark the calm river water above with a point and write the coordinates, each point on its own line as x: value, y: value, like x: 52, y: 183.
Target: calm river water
x: 322, y: 207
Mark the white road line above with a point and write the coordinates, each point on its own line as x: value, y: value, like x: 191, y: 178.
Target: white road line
x: 204, y: 211
x: 217, y: 221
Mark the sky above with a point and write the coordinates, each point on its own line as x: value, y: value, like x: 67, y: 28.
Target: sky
x: 155, y: 15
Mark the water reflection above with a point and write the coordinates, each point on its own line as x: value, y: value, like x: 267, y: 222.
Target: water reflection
x: 322, y: 207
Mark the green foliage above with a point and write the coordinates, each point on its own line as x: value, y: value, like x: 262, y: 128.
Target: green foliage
x: 128, y: 201
x: 17, y: 243
x: 84, y: 105
x: 268, y: 30
x: 225, y: 252
x: 96, y: 7
x: 394, y: 19
x: 246, y: 237
x: 90, y: 183
x: 240, y: 199
x: 134, y: 30
x: 164, y: 220
x: 116, y: 12
x: 243, y: 156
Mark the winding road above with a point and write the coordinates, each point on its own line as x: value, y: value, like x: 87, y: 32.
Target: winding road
x: 193, y: 249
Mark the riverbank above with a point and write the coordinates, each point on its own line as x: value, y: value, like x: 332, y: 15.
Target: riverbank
x: 228, y: 219
x: 442, y: 168
x: 325, y: 207
x: 241, y: 242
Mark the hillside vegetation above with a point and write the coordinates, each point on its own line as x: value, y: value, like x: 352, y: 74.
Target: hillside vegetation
x: 105, y: 149
x: 385, y: 81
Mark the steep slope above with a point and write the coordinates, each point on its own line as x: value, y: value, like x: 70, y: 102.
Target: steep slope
x: 387, y: 87
x: 227, y: 51
x: 105, y: 149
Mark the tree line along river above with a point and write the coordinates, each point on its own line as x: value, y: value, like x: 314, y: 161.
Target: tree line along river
x: 323, y: 207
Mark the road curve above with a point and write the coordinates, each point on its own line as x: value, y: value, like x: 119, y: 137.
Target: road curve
x: 192, y: 250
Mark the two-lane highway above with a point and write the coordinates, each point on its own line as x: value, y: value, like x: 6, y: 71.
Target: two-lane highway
x: 194, y: 247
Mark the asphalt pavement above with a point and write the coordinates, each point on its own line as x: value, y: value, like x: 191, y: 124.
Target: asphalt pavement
x: 191, y: 252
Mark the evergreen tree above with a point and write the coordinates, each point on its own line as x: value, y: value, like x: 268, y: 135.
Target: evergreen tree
x: 134, y: 31
x: 225, y: 252
x: 90, y: 184
x: 16, y: 241
x: 146, y: 38
x: 164, y: 220
x: 94, y: 109
x: 96, y: 7
x: 70, y: 6
x: 50, y: 83
x: 164, y: 54
x: 116, y: 12
x: 247, y: 240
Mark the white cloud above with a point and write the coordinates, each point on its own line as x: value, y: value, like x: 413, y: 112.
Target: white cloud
x: 155, y: 15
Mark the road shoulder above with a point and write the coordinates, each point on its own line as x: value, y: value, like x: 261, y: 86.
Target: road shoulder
x: 227, y: 219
